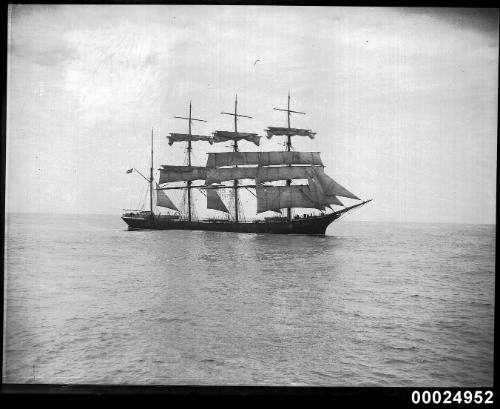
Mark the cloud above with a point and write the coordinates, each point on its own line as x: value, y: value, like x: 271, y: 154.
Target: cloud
x: 395, y: 95
x: 480, y: 20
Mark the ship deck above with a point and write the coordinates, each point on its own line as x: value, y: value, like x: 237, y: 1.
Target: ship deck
x: 314, y: 225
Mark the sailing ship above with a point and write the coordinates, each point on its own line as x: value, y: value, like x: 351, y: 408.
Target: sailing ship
x: 291, y: 207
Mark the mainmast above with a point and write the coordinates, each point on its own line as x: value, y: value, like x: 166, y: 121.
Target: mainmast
x: 151, y: 178
x: 289, y: 144
x: 235, y: 149
x: 189, y: 149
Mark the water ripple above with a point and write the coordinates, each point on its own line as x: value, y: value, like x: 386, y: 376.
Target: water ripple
x: 370, y: 304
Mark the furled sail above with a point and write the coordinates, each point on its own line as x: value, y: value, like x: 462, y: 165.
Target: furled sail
x: 223, y: 136
x: 185, y: 137
x: 278, y: 131
x: 279, y: 197
x: 170, y: 173
x: 215, y: 202
x: 217, y: 175
x: 163, y: 200
x: 330, y: 187
x: 219, y: 159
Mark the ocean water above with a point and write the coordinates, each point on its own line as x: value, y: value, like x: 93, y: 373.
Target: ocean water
x: 369, y: 304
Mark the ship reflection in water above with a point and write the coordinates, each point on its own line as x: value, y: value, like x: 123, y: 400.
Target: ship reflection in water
x: 369, y: 304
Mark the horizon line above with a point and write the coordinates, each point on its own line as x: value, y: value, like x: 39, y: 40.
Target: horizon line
x: 363, y: 221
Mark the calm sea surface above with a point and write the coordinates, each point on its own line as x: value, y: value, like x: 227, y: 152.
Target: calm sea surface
x: 370, y: 304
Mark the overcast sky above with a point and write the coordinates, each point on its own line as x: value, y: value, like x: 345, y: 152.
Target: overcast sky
x: 404, y: 101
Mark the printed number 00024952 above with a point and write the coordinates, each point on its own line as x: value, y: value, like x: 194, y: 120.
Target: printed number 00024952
x: 461, y: 397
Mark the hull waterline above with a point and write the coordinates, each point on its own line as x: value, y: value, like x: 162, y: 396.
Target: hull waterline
x: 312, y: 225
x: 315, y: 225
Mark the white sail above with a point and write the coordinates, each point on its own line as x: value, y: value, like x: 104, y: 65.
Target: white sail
x: 219, y: 159
x: 163, y: 200
x: 332, y: 199
x: 215, y: 202
x: 184, y: 137
x: 319, y: 194
x: 332, y: 188
x: 260, y: 174
x: 270, y: 174
x: 170, y: 173
x: 223, y: 136
x: 275, y: 173
x: 217, y: 175
x: 280, y: 197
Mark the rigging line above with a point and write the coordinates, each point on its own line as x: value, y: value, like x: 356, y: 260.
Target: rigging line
x: 250, y: 191
x: 305, y: 193
x: 352, y: 211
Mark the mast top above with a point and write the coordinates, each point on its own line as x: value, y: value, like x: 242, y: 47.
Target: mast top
x: 190, y: 118
x: 288, y: 110
x: 235, y: 114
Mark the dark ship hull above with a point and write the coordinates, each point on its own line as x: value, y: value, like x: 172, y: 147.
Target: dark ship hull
x: 314, y: 225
